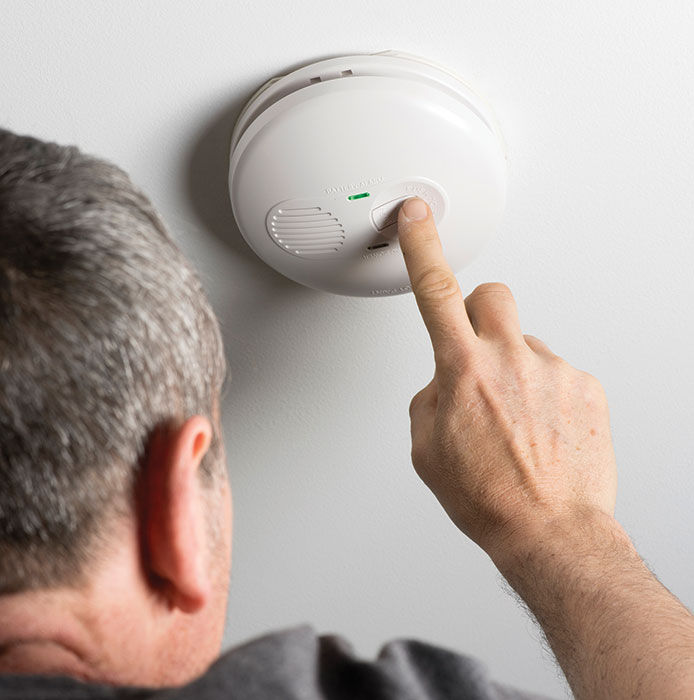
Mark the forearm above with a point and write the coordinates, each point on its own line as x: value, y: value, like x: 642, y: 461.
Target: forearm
x: 615, y: 630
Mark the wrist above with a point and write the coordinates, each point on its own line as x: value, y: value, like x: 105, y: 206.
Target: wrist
x: 586, y: 534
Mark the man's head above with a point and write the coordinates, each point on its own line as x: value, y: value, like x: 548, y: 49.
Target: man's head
x: 111, y: 366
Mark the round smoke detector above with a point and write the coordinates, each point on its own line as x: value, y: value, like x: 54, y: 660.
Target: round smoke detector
x: 323, y: 157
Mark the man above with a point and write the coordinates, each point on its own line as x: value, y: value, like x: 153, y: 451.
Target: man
x: 115, y: 511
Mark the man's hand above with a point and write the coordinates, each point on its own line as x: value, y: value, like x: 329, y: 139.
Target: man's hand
x: 507, y: 435
x: 515, y: 443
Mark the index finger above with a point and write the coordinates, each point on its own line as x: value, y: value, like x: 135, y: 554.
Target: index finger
x: 434, y: 285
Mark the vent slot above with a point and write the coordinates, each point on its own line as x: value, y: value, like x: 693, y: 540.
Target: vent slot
x: 298, y: 211
x: 310, y: 240
x: 300, y: 221
x: 308, y: 232
x: 378, y: 245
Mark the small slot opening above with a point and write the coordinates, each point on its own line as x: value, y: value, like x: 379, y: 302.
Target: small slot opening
x: 378, y: 245
x: 346, y: 72
x: 314, y: 80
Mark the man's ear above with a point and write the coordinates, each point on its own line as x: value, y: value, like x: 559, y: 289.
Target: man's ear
x: 174, y: 539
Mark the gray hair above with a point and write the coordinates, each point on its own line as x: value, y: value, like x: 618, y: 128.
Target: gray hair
x: 105, y: 335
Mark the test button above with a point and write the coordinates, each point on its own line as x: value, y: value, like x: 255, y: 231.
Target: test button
x: 387, y: 214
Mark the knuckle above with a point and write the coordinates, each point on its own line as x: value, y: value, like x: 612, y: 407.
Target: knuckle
x: 506, y: 358
x: 424, y: 396
x: 591, y: 381
x: 533, y: 341
x: 521, y: 363
x: 558, y: 362
x: 538, y: 347
x: 437, y: 282
x: 516, y: 353
x: 593, y: 388
x: 492, y: 288
x: 415, y: 401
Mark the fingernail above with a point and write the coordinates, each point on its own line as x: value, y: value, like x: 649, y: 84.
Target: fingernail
x: 415, y: 209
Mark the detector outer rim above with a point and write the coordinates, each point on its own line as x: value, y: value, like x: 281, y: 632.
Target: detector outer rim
x: 382, y: 64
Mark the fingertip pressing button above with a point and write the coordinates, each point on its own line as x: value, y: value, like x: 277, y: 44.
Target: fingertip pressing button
x: 387, y: 203
x: 387, y: 214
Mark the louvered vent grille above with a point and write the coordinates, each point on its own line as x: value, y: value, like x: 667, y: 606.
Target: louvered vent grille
x: 310, y: 232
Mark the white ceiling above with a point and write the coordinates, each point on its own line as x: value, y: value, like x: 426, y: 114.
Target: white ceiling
x: 332, y: 526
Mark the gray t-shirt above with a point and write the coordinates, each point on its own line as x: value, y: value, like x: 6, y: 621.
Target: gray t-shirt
x: 297, y: 664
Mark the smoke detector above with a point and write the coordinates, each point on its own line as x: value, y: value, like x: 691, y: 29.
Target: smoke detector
x: 323, y: 157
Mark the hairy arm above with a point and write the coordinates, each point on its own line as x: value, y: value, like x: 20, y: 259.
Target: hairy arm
x: 616, y: 631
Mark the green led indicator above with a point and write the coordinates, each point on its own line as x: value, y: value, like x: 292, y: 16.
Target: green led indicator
x: 358, y: 196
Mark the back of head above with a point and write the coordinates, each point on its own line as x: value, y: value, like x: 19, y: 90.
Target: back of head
x: 105, y: 334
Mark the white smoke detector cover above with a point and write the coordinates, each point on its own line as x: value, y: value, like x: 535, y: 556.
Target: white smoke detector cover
x: 323, y: 157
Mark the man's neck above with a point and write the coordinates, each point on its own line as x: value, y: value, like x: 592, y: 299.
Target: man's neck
x: 42, y: 634
x: 44, y: 658
x: 84, y: 632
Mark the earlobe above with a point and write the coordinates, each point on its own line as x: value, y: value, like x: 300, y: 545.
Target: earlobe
x: 174, y: 527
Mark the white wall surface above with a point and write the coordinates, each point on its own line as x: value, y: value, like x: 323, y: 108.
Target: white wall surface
x: 332, y: 526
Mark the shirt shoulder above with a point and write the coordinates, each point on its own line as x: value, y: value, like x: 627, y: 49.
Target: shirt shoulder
x: 298, y: 664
